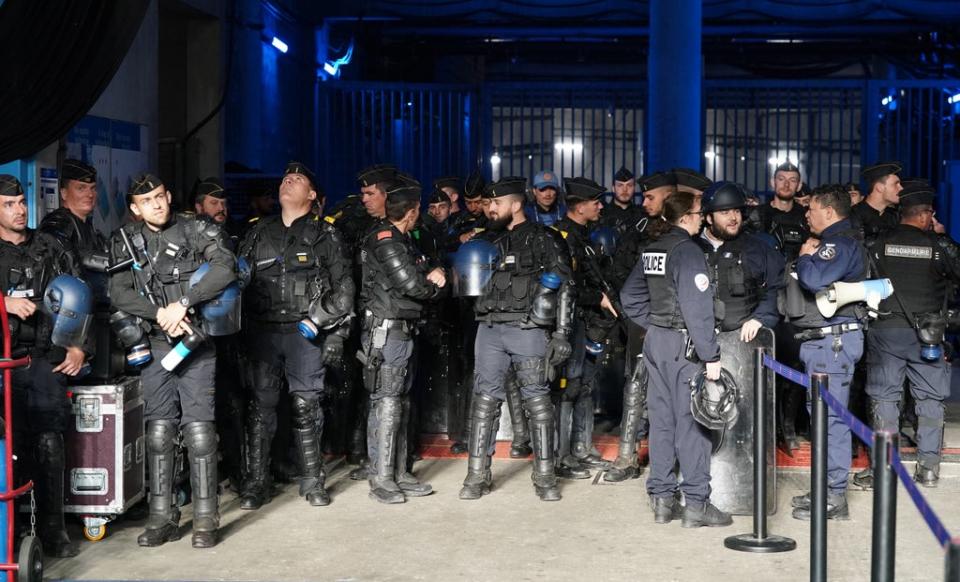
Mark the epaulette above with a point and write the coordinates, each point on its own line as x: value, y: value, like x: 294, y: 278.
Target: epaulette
x: 253, y: 219
x: 332, y: 219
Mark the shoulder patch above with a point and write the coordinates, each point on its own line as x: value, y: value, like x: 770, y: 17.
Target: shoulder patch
x: 384, y: 234
x: 563, y: 233
x: 701, y: 281
x: 827, y: 253
x: 331, y: 219
x: 907, y: 251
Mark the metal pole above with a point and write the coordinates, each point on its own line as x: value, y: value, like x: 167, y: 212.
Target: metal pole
x: 883, y: 549
x: 759, y: 541
x: 952, y: 573
x: 818, y: 478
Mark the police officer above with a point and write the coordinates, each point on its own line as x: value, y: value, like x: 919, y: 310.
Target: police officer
x: 29, y: 261
x: 299, y: 273
x: 525, y: 317
x: 877, y: 214
x: 783, y: 216
x: 168, y: 250
x: 748, y: 273
x: 210, y: 200
x: 621, y: 213
x: 595, y: 315
x: 905, y: 340
x: 691, y: 181
x: 546, y: 208
x: 397, y: 280
x: 831, y: 345
x: 72, y: 223
x: 452, y: 187
x: 670, y: 294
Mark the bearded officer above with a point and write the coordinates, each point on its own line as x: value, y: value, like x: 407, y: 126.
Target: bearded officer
x: 621, y: 212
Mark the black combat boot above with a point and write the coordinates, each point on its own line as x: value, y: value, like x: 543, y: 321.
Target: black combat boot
x: 836, y: 507
x: 484, y: 417
x: 567, y: 466
x: 163, y: 523
x: 927, y: 473
x: 409, y: 484
x: 540, y: 409
x: 704, y: 513
x: 383, y: 486
x: 201, y: 441
x: 666, y: 509
x: 258, y: 481
x: 520, y: 446
x: 52, y: 529
x: 307, y: 429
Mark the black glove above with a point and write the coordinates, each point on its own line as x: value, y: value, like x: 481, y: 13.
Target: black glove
x: 558, y: 350
x: 333, y: 350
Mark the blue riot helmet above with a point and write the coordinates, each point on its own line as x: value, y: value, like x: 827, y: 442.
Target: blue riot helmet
x: 70, y: 302
x: 473, y: 266
x: 605, y: 238
x: 221, y: 315
x: 723, y: 196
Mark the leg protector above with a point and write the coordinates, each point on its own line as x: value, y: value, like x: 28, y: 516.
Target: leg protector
x: 201, y: 441
x: 307, y: 427
x: 409, y: 484
x: 520, y: 447
x: 383, y: 486
x: 540, y: 409
x: 479, y: 478
x: 50, y: 463
x: 164, y: 519
x: 627, y: 466
x: 258, y: 480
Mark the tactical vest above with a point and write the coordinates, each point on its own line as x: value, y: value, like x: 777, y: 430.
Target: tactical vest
x: 790, y: 231
x: 173, y: 255
x: 287, y: 277
x: 811, y: 314
x: 378, y: 295
x: 26, y: 271
x: 737, y: 287
x: 910, y: 258
x: 664, y: 303
x: 509, y: 294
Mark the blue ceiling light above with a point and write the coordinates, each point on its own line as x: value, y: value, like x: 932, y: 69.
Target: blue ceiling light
x: 332, y: 68
x: 280, y: 45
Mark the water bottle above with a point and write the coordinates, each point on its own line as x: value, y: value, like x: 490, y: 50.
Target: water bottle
x: 544, y: 309
x: 182, y: 350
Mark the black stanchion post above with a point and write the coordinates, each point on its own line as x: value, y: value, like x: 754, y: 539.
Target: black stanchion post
x: 884, y: 507
x: 953, y: 561
x: 759, y: 541
x: 818, y: 480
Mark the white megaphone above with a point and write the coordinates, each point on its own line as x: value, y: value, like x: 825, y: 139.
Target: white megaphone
x: 839, y: 294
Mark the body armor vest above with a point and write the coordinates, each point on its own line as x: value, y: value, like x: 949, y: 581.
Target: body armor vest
x: 25, y: 271
x: 737, y: 287
x: 910, y: 258
x: 664, y: 303
x: 811, y: 314
x: 509, y: 294
x: 378, y: 294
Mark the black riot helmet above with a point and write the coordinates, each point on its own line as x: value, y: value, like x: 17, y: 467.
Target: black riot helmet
x: 723, y: 196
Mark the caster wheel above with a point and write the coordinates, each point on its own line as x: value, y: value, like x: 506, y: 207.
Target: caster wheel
x: 30, y: 560
x: 95, y: 533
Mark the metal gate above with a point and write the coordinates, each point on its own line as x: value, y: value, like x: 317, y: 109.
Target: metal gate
x: 427, y: 130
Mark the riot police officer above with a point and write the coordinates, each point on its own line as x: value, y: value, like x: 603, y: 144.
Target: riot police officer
x: 72, y: 223
x: 876, y: 213
x: 525, y: 316
x: 831, y: 345
x: 670, y: 294
x: 748, y: 273
x: 905, y: 340
x: 621, y: 213
x: 397, y: 280
x: 689, y: 180
x: 29, y: 261
x: 298, y: 305
x: 168, y: 250
x: 595, y: 316
x: 783, y: 216
x: 210, y: 200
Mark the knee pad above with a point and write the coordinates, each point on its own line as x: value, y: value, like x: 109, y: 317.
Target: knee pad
x: 485, y: 405
x: 200, y: 438
x: 929, y: 410
x: 305, y: 412
x: 539, y: 408
x: 530, y: 372
x: 885, y: 415
x: 161, y: 436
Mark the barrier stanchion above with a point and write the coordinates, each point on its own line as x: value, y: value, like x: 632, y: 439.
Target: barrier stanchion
x: 884, y: 532
x: 759, y: 541
x: 818, y: 480
x: 953, y: 561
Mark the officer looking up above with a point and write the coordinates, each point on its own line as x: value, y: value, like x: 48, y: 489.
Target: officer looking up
x: 525, y: 317
x: 670, y: 294
x: 831, y: 345
x: 168, y: 250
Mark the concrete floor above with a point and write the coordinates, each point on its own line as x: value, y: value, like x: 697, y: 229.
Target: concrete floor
x: 597, y: 532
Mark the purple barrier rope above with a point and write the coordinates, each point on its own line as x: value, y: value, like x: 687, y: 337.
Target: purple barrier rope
x: 865, y: 434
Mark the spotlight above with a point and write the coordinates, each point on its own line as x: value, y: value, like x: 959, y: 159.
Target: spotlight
x: 280, y: 45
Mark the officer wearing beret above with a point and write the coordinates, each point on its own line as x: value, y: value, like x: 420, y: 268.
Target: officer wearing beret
x: 621, y: 213
x: 691, y: 181
x: 168, y: 250
x: 904, y: 341
x: 546, y: 208
x: 525, y: 317
x: 877, y: 213
x: 831, y: 345
x: 397, y: 280
x: 299, y: 272
x: 669, y: 293
x: 29, y: 261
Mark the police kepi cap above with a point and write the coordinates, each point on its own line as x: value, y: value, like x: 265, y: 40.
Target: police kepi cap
x: 916, y: 191
x: 546, y: 179
x: 375, y: 174
x: 474, y: 186
x: 403, y: 187
x: 623, y: 175
x: 77, y: 170
x: 143, y: 184
x: 10, y: 186
x: 582, y: 190
x: 507, y: 186
x: 438, y: 196
x: 690, y: 178
x: 211, y: 187
x: 656, y: 180
x: 880, y: 170
x: 303, y: 170
x: 448, y: 182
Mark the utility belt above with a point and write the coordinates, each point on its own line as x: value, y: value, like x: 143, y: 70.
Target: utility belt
x: 816, y: 333
x: 372, y: 323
